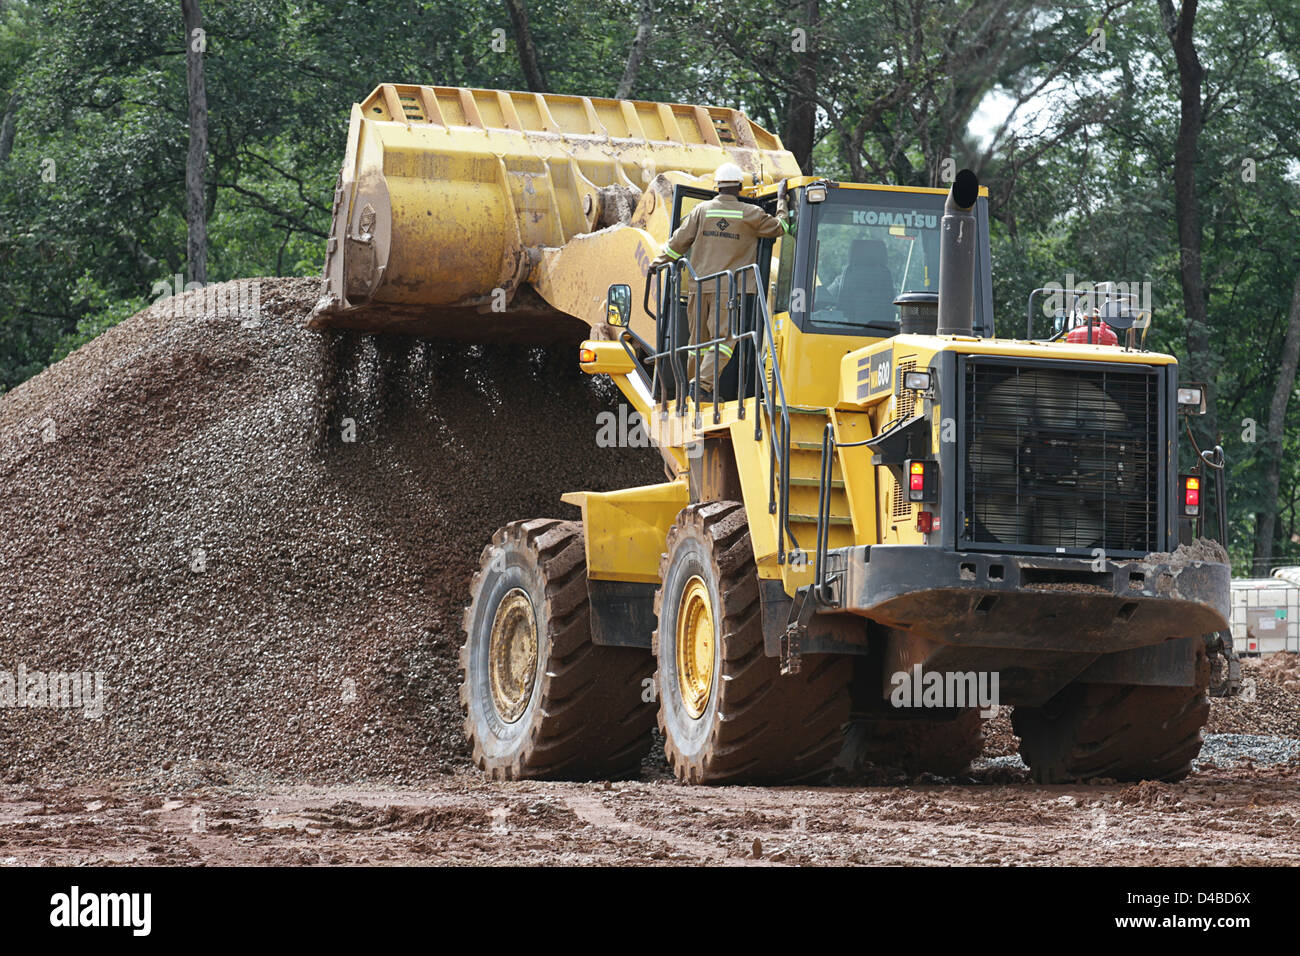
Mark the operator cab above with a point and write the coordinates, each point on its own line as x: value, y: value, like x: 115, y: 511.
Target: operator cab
x: 861, y: 265
x: 857, y: 249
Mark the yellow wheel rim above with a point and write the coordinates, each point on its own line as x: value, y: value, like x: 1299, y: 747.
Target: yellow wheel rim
x: 512, y: 655
x: 695, y: 641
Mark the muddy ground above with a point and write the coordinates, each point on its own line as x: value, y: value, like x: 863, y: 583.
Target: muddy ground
x: 1221, y: 817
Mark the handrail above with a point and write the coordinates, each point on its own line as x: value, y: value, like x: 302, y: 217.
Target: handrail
x: 769, y: 393
x: 820, y: 590
x: 631, y: 342
x: 1110, y: 295
x: 821, y: 586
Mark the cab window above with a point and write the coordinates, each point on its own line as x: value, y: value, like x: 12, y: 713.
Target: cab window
x: 871, y: 246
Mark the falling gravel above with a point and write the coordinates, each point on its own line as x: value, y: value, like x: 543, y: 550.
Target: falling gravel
x: 262, y: 536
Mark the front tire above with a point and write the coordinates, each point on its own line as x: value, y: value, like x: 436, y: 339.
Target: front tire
x: 540, y: 699
x: 726, y: 712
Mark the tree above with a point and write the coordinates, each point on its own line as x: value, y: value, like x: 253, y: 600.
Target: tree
x: 644, y: 26
x: 7, y: 128
x: 1180, y: 27
x: 1266, y: 519
x: 800, y: 128
x: 196, y: 163
x: 526, y: 46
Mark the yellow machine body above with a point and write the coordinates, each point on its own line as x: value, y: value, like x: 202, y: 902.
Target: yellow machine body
x: 882, y: 543
x: 867, y: 506
x: 495, y: 216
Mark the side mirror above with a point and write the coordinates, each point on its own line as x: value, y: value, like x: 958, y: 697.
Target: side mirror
x: 618, y: 305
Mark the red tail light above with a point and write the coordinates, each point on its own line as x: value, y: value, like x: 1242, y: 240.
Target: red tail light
x: 1191, y: 488
x: 920, y: 480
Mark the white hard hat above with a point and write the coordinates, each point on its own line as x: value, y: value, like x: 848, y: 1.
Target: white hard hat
x: 728, y: 174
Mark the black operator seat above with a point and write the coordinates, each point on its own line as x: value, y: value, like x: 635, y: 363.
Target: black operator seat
x: 866, y: 287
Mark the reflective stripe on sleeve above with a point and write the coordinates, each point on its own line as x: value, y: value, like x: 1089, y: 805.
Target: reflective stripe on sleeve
x: 671, y: 254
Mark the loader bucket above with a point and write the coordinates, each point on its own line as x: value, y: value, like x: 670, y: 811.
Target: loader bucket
x: 451, y: 203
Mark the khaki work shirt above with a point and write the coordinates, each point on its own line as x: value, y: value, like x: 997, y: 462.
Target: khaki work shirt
x: 721, y: 234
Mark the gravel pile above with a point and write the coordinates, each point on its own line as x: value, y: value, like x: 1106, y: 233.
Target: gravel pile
x: 1231, y: 750
x: 1269, y: 702
x: 262, y: 537
x: 1000, y: 738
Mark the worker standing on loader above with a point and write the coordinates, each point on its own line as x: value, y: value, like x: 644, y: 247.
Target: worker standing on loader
x: 719, y: 235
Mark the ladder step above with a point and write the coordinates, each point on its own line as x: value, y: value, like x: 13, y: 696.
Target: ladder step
x: 806, y: 445
x: 837, y: 483
x: 812, y: 519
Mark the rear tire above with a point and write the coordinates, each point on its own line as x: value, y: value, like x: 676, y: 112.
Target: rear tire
x: 728, y: 715
x: 540, y: 699
x: 1116, y: 731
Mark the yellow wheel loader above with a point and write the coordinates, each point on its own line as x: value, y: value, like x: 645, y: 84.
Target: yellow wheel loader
x: 886, y: 522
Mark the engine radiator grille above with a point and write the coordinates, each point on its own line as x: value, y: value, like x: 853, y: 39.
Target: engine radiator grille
x: 1061, y: 458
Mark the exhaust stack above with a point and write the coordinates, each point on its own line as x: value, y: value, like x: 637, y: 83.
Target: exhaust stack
x: 957, y: 257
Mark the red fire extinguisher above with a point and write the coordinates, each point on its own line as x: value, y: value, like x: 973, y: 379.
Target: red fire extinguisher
x: 1101, y: 333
